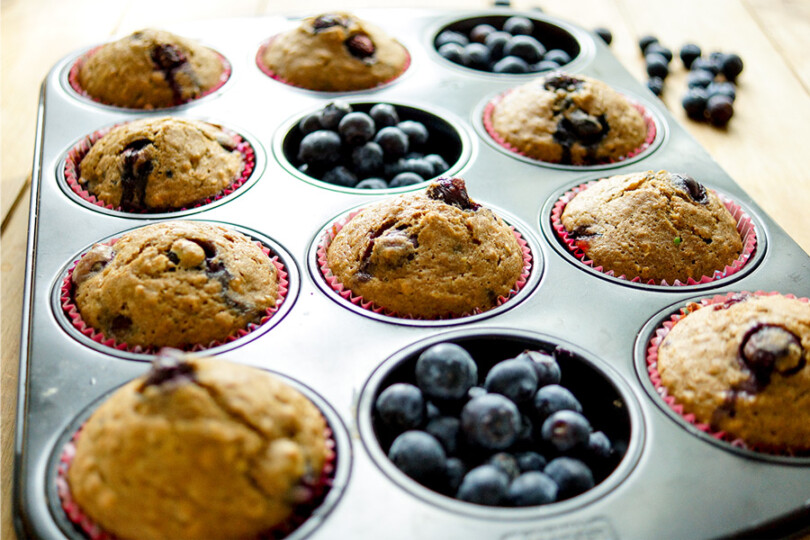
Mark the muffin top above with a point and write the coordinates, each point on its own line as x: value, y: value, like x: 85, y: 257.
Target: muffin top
x: 335, y: 52
x: 742, y: 367
x: 160, y: 164
x: 569, y: 119
x: 430, y: 254
x: 175, y: 284
x: 653, y: 225
x: 198, y: 448
x: 150, y: 69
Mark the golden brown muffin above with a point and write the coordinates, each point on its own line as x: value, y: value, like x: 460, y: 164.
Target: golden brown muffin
x: 742, y: 367
x: 429, y: 254
x: 150, y: 69
x: 160, y: 164
x: 569, y: 119
x: 198, y: 448
x: 175, y: 284
x: 654, y: 225
x: 335, y: 52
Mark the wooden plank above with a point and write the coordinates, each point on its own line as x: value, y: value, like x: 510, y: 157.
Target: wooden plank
x: 142, y: 14
x: 787, y: 25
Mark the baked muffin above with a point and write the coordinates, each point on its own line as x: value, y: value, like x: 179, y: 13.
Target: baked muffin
x: 198, y: 448
x: 430, y: 254
x: 653, y: 225
x: 334, y: 52
x: 569, y: 119
x: 741, y: 366
x: 175, y: 284
x: 160, y: 164
x: 150, y: 69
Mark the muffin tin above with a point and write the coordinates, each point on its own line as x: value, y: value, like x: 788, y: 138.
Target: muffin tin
x: 673, y: 481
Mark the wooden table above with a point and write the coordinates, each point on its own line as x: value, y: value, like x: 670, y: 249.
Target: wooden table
x: 763, y: 148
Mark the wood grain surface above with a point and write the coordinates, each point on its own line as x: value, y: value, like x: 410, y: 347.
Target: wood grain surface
x: 763, y: 148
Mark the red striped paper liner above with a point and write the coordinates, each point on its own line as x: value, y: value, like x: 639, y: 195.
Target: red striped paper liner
x: 347, y: 294
x: 79, y: 151
x: 745, y: 227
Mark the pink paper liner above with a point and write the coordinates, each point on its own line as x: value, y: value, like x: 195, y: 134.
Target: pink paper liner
x: 79, y: 151
x: 272, y: 74
x: 73, y: 79
x: 652, y: 370
x: 313, y: 494
x: 357, y: 300
x: 652, y: 130
x: 745, y: 227
x: 70, y: 309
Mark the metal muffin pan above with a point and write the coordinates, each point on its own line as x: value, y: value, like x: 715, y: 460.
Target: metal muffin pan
x: 676, y: 485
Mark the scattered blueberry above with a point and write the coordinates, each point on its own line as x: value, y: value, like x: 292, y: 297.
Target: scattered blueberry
x: 320, y: 147
x: 694, y: 103
x: 446, y: 430
x: 511, y: 64
x: 699, y: 78
x: 656, y: 85
x: 332, y: 114
x: 449, y: 36
x: 485, y: 484
x: 372, y: 183
x: 357, y: 128
x: 490, y: 421
x: 416, y: 131
x: 401, y: 406
x: 571, y: 475
x: 446, y: 371
x: 705, y: 64
x: 384, y: 115
x: 722, y: 88
x: 405, y: 179
x: 558, y: 56
x: 657, y: 48
x: 340, y: 176
x: 393, y: 141
x: 566, y: 430
x: 720, y: 109
x: 605, y: 34
x: 526, y: 48
x: 515, y: 379
x: 420, y: 456
x: 689, y: 53
x: 646, y: 41
x: 531, y: 489
x: 731, y: 66
x: 552, y: 398
x: 531, y: 461
x: 518, y: 26
x: 657, y: 65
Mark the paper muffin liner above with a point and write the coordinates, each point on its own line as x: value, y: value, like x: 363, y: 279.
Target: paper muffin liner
x: 652, y: 130
x: 745, y: 227
x: 309, y: 494
x: 347, y: 294
x: 73, y: 80
x: 79, y: 151
x: 273, y: 75
x: 71, y: 310
x: 655, y: 378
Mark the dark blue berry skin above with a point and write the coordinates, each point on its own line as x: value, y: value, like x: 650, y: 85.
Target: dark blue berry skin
x: 333, y: 113
x: 505, y: 462
x: 432, y: 411
x: 518, y: 26
x: 544, y: 65
x: 340, y: 176
x: 699, y: 78
x: 571, y: 476
x: 405, y: 179
x: 476, y: 56
x: 320, y: 147
x: 490, y: 421
x: 495, y: 42
x: 731, y: 66
x: 694, y: 103
x: 705, y: 64
x: 526, y: 434
x: 416, y: 131
x: 510, y: 64
x: 449, y: 36
x: 646, y: 41
x: 515, y: 379
x: 566, y: 430
x: 418, y: 166
x: 384, y: 115
x: 720, y: 109
x: 530, y: 461
x: 531, y: 489
x: 656, y: 65
x: 599, y: 446
x: 401, y: 406
x: 485, y: 484
x: 526, y: 48
x: 393, y: 141
x: 420, y: 456
x: 605, y: 34
x: 310, y: 123
x: 446, y: 371
x: 476, y: 391
x: 657, y: 48
x: 722, y: 88
x: 454, y: 474
x: 372, y: 183
x: 552, y: 398
x: 558, y: 56
x: 452, y: 51
x: 656, y: 85
x: 367, y: 159
x: 438, y: 163
x: 689, y: 53
x: 480, y: 32
x: 546, y: 367
x: 356, y: 128
x: 446, y: 430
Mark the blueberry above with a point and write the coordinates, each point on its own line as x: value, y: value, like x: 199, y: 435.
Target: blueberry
x: 505, y: 462
x: 446, y: 371
x: 656, y: 85
x: 571, y: 476
x: 566, y: 430
x: 599, y: 445
x: 530, y: 461
x: 416, y: 131
x: 438, y: 163
x: 420, y: 456
x: 419, y: 166
x: 491, y: 421
x: 367, y: 159
x: 722, y: 88
x: 356, y: 128
x: 454, y: 471
x: 485, y: 484
x: 766, y: 348
x: 432, y: 411
x: 452, y: 51
x: 340, y: 176
x: 657, y: 48
x: 449, y: 36
x: 720, y: 109
x: 558, y: 56
x: 525, y: 47
x: 320, y: 147
x: 518, y: 25
x: 515, y: 379
x: 544, y: 65
x: 689, y: 53
x: 495, y: 42
x: 547, y: 368
x: 405, y: 179
x: 393, y: 141
x: 310, y: 123
x: 333, y: 113
x: 531, y: 489
x: 372, y: 183
x: 476, y: 391
x: 384, y: 115
x: 699, y: 78
x: 510, y: 64
x: 646, y: 41
x: 446, y: 430
x: 694, y: 103
x: 731, y: 66
x: 552, y: 398
x: 705, y: 64
x: 656, y: 65
x: 476, y: 56
x: 480, y: 32
x: 605, y: 34
x: 401, y: 406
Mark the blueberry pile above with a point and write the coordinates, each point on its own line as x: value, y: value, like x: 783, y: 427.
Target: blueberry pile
x: 365, y: 149
x: 657, y: 59
x: 509, y: 49
x: 512, y: 436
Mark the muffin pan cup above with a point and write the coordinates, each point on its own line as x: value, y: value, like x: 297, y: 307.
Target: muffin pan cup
x: 677, y: 484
